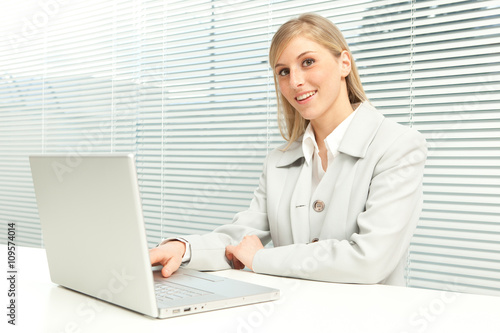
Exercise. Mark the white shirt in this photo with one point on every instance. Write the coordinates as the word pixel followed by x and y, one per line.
pixel 311 150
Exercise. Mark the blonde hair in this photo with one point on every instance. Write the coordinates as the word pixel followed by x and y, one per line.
pixel 322 31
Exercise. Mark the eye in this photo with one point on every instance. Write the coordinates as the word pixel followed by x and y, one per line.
pixel 283 72
pixel 308 62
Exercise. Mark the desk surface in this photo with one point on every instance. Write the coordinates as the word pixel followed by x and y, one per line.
pixel 304 306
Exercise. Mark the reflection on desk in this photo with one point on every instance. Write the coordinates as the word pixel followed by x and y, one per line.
pixel 304 306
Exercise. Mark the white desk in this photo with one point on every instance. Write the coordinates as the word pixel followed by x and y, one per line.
pixel 305 306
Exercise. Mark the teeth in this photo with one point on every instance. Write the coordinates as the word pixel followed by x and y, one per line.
pixel 301 97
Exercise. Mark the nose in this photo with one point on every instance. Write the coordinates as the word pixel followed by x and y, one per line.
pixel 296 78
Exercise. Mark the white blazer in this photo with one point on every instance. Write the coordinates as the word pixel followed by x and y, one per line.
pixel 372 199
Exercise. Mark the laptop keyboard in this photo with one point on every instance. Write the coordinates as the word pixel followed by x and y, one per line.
pixel 167 291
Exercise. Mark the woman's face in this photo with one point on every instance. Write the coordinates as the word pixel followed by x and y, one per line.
pixel 312 79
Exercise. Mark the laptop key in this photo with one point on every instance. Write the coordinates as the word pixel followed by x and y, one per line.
pixel 171 291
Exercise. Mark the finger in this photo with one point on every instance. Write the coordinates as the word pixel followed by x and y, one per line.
pixel 231 257
pixel 172 265
pixel 155 256
pixel 238 264
pixel 229 252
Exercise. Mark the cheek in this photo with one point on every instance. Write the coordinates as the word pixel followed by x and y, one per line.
pixel 285 91
pixel 328 80
pixel 322 78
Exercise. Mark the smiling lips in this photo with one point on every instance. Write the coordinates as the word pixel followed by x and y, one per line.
pixel 305 96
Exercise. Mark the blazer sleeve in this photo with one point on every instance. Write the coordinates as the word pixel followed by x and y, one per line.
pixel 385 227
pixel 208 250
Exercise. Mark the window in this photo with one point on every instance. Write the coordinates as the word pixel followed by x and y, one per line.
pixel 186 86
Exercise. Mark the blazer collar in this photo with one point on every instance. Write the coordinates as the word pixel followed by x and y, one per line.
pixel 361 131
pixel 294 154
pixel 355 142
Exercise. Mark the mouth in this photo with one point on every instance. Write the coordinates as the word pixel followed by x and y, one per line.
pixel 306 96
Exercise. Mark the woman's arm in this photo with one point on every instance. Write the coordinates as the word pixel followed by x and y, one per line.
pixel 208 252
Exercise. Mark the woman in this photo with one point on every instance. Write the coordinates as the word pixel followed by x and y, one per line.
pixel 342 198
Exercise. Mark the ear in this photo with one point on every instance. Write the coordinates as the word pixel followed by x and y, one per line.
pixel 345 62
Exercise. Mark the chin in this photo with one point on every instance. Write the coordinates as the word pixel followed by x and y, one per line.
pixel 308 115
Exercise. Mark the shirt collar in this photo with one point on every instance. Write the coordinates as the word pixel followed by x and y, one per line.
pixel 332 141
pixel 309 145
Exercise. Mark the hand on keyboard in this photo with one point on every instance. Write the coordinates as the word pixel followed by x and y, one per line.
pixel 169 255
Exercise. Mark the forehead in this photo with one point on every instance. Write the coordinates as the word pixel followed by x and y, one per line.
pixel 297 46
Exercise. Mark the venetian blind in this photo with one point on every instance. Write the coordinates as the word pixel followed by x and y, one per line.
pixel 65 69
pixel 206 71
pixel 186 86
pixel 455 93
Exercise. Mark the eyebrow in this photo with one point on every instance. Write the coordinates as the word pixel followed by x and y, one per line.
pixel 298 57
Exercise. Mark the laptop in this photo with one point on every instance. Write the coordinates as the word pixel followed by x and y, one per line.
pixel 95 239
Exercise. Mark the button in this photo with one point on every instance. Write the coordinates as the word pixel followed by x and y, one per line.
pixel 318 206
pixel 314 240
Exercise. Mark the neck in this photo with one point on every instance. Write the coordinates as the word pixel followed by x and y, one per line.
pixel 324 126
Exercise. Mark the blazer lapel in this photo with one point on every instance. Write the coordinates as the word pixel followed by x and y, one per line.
pixel 299 203
pixel 299 206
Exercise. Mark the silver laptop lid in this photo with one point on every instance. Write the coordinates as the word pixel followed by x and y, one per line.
pixel 90 208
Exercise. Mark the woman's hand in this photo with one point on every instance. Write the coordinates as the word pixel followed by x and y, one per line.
pixel 242 254
pixel 169 255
